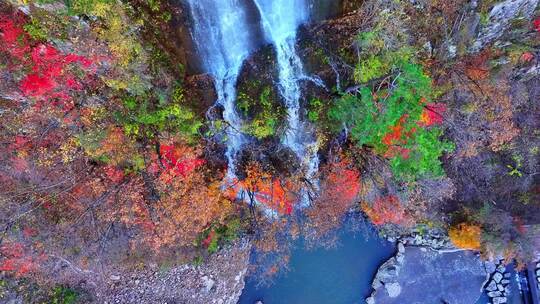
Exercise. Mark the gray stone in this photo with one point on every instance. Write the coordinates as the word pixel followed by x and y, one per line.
pixel 259 302
pixel 494 294
pixel 492 286
pixel 393 289
pixel 425 277
pixel 208 284
pixel 401 248
pixel 490 266
pixel 499 300
pixel 500 287
pixel 500 19
pixel 400 258
pixel 507 275
pixel 505 281
pixel 501 268
pixel 538 272
pixel 370 300
pixel 497 277
pixel 114 277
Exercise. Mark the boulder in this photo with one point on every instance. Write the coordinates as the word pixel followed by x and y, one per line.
pixel 393 289
pixel 492 286
pixel 490 266
pixel 497 277
pixel 401 247
pixel 500 300
pixel 494 294
pixel 208 284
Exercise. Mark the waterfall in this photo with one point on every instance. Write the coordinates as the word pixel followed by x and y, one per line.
pixel 221 31
pixel 280 21
pixel 224 37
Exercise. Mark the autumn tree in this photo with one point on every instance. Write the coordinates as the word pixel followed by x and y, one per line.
pixel 387 210
pixel 339 188
pixel 466 236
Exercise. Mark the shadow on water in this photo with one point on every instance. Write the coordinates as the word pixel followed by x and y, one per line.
pixel 340 275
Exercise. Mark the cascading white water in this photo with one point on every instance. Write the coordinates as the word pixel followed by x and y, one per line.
pixel 280 20
pixel 223 39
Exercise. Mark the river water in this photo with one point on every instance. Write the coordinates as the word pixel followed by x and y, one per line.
pixel 341 275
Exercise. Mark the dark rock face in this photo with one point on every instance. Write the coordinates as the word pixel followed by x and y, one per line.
pixel 200 92
pixel 328 50
pixel 273 156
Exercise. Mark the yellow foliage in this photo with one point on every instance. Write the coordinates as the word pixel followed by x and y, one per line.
pixel 466 236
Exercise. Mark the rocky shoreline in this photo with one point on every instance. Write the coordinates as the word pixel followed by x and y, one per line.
pixel 422 274
pixel 220 280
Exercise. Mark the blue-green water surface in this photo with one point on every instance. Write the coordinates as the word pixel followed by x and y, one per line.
pixel 341 275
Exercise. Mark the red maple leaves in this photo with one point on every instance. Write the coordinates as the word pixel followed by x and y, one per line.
pixel 398 136
pixel 16 259
pixel 52 78
pixel 174 159
pixel 536 24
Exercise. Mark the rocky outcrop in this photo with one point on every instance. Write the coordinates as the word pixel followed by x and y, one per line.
pixel 220 280
pixel 423 275
pixel 500 19
pixel 200 92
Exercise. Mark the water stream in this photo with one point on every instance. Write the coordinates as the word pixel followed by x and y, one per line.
pixel 223 37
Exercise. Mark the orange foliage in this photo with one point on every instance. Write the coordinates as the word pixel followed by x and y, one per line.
pixel 277 194
pixel 397 137
pixel 387 210
pixel 477 67
pixel 466 236
pixel 340 186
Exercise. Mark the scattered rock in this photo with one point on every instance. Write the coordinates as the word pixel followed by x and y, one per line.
pixel 505 282
pixel 500 287
pixel 370 300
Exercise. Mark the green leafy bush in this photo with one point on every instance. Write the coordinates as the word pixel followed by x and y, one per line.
pixel 64 295
pixel 266 121
pixel 145 118
pixel 389 121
